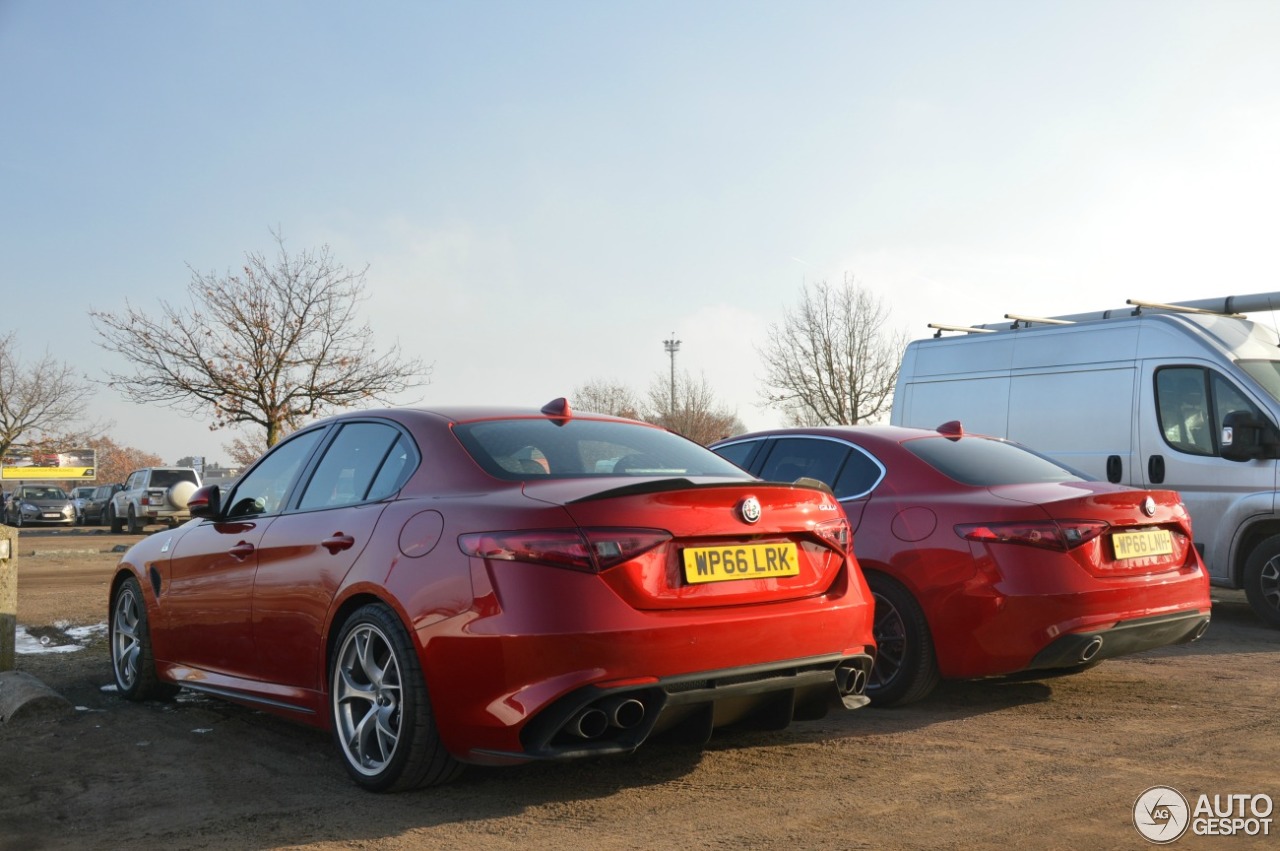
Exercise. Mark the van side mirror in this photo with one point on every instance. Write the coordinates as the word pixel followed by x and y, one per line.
pixel 1244 437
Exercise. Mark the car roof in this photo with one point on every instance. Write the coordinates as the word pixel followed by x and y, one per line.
pixel 856 433
pixel 472 413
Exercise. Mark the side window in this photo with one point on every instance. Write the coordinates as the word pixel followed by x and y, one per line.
pixel 263 489
pixel 366 461
pixel 798 457
pixel 1228 399
pixel 859 477
pixel 739 453
pixel 1182 404
pixel 1190 418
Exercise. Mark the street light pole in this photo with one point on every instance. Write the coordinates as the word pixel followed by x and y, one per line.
pixel 672 346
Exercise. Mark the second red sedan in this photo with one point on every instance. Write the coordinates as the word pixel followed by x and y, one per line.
pixel 988 559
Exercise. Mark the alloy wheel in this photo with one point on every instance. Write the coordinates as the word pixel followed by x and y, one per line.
pixel 367 698
pixel 126 643
pixel 891 643
pixel 1269 580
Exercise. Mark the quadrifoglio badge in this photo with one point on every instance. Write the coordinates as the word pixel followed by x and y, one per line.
pixel 1162 814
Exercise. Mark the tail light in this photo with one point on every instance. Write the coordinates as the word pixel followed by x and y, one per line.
pixel 591 550
pixel 837 533
pixel 1062 535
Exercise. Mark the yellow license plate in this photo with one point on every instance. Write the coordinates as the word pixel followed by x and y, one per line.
pixel 1152 542
pixel 749 561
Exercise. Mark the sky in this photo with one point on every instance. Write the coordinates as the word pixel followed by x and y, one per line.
pixel 544 192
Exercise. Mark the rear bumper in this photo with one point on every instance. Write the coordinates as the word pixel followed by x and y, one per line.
pixel 1126 637
pixel 547 644
pixel 983 629
pixel 592 721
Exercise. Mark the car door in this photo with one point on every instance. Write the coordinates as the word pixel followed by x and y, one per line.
pixel 308 551
pixel 208 601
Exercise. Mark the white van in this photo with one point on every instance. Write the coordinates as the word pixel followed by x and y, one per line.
pixel 1183 396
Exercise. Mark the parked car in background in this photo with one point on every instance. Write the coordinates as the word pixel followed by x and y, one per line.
pixel 39 504
pixel 1191 397
pixel 78 495
pixel 987 559
pixel 153 495
pixel 95 505
pixel 466 585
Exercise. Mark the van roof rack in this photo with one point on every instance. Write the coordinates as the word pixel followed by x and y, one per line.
pixel 965 328
pixel 1233 307
pixel 1029 320
pixel 1178 308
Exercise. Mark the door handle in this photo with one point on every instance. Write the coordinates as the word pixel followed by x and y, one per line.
pixel 1155 469
pixel 241 551
pixel 338 541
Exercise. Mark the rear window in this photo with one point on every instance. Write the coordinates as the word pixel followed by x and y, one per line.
pixel 169 478
pixel 984 462
pixel 537 448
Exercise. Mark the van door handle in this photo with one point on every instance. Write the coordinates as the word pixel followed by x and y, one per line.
pixel 1155 469
pixel 1115 469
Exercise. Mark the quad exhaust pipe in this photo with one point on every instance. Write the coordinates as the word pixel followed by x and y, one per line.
pixel 851 680
pixel 592 722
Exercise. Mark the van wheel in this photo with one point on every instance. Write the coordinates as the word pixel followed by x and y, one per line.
pixel 906 668
pixel 1262 580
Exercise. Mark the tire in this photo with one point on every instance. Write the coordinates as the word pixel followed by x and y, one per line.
pixel 135 528
pixel 906 668
pixel 382 719
pixel 1262 580
pixel 129 633
pixel 19 522
pixel 179 494
pixel 117 525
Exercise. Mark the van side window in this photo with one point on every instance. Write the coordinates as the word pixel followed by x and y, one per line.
pixel 1228 399
pixel 1190 419
pixel 1183 405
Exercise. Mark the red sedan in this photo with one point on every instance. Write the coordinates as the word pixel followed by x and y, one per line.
pixel 496 586
pixel 988 559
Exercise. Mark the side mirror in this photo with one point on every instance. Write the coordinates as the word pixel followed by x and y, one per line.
pixel 1243 437
pixel 205 502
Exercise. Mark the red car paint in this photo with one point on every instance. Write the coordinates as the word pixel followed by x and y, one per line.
pixel 536 599
pixel 1011 577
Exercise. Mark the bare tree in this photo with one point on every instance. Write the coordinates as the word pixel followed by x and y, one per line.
pixel 698 415
pixel 40 401
pixel 602 396
pixel 833 361
pixel 271 346
pixel 243 451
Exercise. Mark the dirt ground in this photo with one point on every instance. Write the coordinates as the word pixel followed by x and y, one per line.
pixel 1052 764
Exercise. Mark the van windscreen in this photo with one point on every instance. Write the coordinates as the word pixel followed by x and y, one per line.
pixel 1266 373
